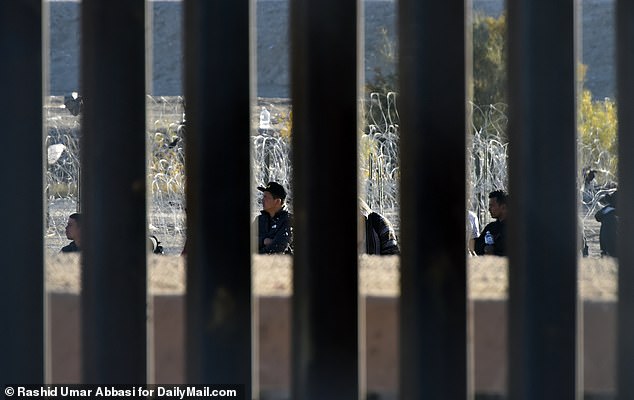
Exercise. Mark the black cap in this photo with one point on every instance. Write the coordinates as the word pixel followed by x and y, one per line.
pixel 275 189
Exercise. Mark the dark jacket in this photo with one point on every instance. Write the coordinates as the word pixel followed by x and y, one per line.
pixel 279 228
pixel 380 237
pixel 608 234
pixel 70 248
pixel 498 231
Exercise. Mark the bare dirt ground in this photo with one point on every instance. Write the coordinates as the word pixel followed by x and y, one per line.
pixel 378 276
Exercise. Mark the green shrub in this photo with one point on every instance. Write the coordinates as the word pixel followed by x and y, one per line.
pixel 489 58
pixel 598 142
pixel 597 127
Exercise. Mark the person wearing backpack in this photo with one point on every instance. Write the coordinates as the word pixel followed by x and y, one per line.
pixel 608 217
pixel 379 237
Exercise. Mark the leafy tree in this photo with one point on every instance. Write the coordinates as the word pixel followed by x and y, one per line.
pixel 597 125
pixel 489 55
pixel 383 82
pixel 598 142
pixel 489 60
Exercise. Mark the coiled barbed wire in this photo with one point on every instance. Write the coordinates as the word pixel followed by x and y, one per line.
pixel 487 156
pixel 379 164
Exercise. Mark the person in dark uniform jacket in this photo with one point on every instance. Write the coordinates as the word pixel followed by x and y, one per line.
pixel 275 231
pixel 379 237
pixel 609 220
pixel 73 232
pixel 496 229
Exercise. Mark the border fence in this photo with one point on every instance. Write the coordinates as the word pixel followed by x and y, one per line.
pixel 434 333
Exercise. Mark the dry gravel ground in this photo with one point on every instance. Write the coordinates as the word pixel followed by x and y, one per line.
pixel 487 276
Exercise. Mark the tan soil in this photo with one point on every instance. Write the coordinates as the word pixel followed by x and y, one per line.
pixel 487 276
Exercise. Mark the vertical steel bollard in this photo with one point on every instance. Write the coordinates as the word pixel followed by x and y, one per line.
pixel 625 80
pixel 325 347
pixel 22 267
pixel 543 203
pixel 433 321
pixel 217 97
pixel 114 238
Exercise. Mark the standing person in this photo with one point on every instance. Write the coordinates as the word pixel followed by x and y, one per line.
pixel 275 232
pixel 496 230
pixel 583 242
pixel 609 220
pixel 473 231
pixel 589 185
pixel 73 232
pixel 378 237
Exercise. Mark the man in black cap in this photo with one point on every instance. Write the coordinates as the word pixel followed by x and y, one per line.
pixel 275 233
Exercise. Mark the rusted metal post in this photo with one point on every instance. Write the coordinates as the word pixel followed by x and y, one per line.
pixel 325 277
pixel 625 100
pixel 217 93
pixel 543 204
pixel 22 267
pixel 433 321
pixel 114 239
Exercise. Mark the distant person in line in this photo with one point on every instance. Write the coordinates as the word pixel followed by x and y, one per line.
pixel 589 185
pixel 473 231
pixel 275 232
pixel 184 251
pixel 378 237
pixel 495 232
pixel 608 217
pixel 583 241
pixel 73 232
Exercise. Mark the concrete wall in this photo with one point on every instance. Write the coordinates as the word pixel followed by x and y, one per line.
pixel 273 44
pixel 381 335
